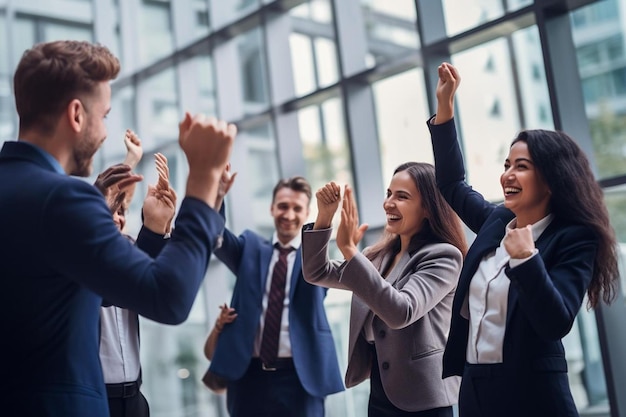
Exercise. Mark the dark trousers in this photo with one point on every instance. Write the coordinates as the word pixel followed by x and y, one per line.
pixel 380 406
pixel 493 390
pixel 278 393
pixel 132 405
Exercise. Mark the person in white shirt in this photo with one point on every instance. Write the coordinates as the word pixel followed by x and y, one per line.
pixel 119 327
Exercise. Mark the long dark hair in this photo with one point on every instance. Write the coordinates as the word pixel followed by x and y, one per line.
pixel 442 225
pixel 576 198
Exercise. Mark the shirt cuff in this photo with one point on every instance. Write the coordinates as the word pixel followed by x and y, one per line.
pixel 517 262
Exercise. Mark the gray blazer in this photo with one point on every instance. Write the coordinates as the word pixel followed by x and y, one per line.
pixel 411 310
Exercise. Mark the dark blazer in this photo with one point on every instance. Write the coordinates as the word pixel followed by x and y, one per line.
pixel 411 309
pixel 545 294
pixel 313 349
pixel 61 254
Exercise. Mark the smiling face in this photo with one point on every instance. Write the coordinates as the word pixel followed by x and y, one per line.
pixel 290 209
pixel 95 109
pixel 526 194
pixel 403 206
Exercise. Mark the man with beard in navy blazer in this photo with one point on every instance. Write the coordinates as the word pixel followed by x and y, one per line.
pixel 63 254
pixel 306 370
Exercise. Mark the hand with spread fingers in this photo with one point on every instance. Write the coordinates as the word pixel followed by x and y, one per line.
pixel 115 178
pixel 159 205
pixel 163 171
pixel 349 233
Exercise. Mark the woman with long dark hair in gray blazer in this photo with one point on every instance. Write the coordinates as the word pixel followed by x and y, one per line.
pixel 402 288
pixel 525 275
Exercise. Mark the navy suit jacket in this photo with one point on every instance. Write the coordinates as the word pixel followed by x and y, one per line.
pixel 248 257
pixel 545 294
pixel 61 254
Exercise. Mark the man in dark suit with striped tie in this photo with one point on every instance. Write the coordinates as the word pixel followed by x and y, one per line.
pixel 278 356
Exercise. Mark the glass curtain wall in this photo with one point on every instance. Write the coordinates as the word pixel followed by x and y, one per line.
pixel 341 90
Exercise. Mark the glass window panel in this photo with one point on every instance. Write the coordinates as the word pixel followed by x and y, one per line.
pixel 489 115
pixel 173 364
pixel 161 107
pixel 594 15
pixel 532 79
pixel 602 70
pixel 155 31
pixel 303 63
pixel 462 15
pixel 512 5
pixel 391 28
pixel 313 47
pixel 615 199
pixel 488 103
pixel 8 128
pixel 316 10
pixel 401 113
pixel 4 48
pixel 59 31
pixel 253 71
pixel 117 47
pixel 205 85
pixel 325 145
pixel 23 37
pixel 199 18
pixel 224 12
pixel 262 164
pixel 7 120
pixel 326 53
pixel 584 363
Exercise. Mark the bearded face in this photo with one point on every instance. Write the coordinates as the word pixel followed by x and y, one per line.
pixel 95 108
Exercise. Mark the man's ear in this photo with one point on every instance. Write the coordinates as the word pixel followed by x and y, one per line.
pixel 76 115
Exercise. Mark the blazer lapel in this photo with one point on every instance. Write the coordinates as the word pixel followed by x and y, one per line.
pixel 399 270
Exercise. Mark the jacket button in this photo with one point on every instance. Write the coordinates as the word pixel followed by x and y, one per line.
pixel 385 365
pixel 381 334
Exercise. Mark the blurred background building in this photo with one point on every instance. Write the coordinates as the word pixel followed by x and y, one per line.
pixel 341 90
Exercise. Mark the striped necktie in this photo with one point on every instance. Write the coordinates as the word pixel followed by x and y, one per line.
pixel 275 304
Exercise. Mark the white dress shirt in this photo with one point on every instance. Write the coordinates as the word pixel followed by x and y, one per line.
pixel 119 345
pixel 487 301
pixel 284 344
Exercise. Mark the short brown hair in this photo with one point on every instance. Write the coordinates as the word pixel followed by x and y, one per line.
pixel 297 183
pixel 51 74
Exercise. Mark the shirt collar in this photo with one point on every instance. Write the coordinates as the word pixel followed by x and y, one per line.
pixel 294 243
pixel 51 160
pixel 537 228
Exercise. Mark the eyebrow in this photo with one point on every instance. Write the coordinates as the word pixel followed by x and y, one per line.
pixel 520 160
pixel 400 191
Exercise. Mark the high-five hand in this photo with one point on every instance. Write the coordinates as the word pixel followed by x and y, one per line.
pixel 349 233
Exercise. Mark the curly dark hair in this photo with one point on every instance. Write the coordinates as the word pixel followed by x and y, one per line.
pixel 576 198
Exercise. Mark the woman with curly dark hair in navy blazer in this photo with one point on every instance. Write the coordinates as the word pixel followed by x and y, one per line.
pixel 527 272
